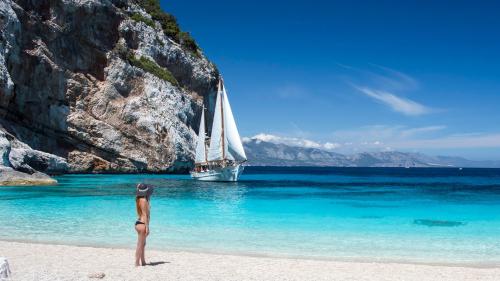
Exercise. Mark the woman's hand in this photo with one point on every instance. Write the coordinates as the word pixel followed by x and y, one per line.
pixel 147 230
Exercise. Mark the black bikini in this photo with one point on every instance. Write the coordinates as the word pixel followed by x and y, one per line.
pixel 138 222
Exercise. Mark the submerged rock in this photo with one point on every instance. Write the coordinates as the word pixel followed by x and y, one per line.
pixel 441 223
pixel 84 81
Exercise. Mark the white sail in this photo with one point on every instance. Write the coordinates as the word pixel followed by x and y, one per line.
pixel 234 147
pixel 215 149
pixel 201 152
pixel 225 144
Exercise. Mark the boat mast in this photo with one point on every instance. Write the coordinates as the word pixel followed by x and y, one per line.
pixel 204 136
pixel 221 83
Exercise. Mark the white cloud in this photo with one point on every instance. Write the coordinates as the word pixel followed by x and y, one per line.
pixel 367 133
pixel 394 79
pixel 381 77
pixel 291 141
pixel 420 130
pixel 399 104
pixel 400 137
pixel 452 141
pixel 385 85
pixel 331 145
pixel 385 133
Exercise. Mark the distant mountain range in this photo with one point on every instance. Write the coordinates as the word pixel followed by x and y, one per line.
pixel 263 153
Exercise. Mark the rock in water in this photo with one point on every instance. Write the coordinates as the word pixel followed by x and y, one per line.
pixel 22 165
pixel 100 85
pixel 11 177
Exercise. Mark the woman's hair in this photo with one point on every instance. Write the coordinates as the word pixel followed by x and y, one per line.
pixel 138 206
pixel 139 190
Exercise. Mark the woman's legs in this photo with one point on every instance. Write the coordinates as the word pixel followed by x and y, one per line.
pixel 141 243
pixel 143 259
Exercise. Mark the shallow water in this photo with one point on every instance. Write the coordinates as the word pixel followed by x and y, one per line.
pixel 419 215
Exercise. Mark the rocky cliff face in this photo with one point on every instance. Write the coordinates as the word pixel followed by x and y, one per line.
pixel 20 164
pixel 99 84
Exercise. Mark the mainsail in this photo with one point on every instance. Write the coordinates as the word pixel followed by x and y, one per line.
pixel 201 151
pixel 215 148
pixel 225 142
pixel 234 146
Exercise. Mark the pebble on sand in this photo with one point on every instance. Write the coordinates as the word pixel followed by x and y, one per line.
pixel 97 275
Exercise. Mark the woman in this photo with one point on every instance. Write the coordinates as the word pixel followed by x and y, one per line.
pixel 143 195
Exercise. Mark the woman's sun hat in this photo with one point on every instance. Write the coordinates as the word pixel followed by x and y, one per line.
pixel 144 190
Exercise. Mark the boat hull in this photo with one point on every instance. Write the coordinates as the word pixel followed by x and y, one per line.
pixel 229 173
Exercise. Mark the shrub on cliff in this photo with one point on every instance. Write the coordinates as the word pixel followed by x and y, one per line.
pixel 140 18
pixel 122 51
pixel 169 25
pixel 152 67
pixel 188 41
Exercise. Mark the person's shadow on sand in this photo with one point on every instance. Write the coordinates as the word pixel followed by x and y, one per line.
pixel 155 263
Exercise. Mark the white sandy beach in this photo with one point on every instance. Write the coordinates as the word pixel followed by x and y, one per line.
pixel 59 262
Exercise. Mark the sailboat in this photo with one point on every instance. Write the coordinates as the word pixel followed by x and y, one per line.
pixel 220 157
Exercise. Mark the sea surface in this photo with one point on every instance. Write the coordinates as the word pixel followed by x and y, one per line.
pixel 374 214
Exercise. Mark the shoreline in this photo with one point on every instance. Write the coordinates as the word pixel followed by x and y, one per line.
pixel 67 262
pixel 366 260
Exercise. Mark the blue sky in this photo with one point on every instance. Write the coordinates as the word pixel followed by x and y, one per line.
pixel 351 76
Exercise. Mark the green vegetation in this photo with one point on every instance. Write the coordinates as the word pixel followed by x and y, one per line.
pixel 188 41
pixel 140 18
pixel 169 25
pixel 122 50
pixel 152 67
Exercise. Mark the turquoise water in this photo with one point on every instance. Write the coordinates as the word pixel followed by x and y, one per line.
pixel 419 215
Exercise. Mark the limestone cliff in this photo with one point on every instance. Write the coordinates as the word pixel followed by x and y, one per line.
pixel 103 85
